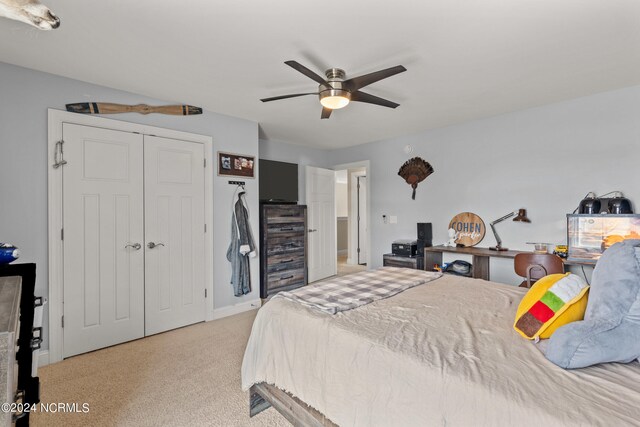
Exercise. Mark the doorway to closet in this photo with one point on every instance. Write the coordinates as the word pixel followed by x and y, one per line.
pixel 133 244
pixel 352 214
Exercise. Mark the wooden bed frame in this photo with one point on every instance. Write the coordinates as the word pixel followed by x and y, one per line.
pixel 298 413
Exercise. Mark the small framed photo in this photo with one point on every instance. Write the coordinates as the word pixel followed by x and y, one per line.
pixel 236 165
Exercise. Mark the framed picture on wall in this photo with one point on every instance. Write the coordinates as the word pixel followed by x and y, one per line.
pixel 230 164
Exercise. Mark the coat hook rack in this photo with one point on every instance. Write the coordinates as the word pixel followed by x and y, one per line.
pixel 237 183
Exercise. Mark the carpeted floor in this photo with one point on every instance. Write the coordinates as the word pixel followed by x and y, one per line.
pixel 185 377
pixel 344 268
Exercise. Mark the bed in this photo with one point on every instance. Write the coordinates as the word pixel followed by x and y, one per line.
pixel 443 353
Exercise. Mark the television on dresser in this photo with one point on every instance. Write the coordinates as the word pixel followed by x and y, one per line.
pixel 278 182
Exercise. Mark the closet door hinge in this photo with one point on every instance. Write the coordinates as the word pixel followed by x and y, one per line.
pixel 205 228
pixel 205 163
pixel 62 320
pixel 205 293
pixel 62 234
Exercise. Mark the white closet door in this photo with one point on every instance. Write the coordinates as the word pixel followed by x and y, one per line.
pixel 174 232
pixel 103 226
pixel 321 223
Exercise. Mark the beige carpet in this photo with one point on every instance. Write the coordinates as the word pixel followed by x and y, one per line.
pixel 344 268
pixel 186 377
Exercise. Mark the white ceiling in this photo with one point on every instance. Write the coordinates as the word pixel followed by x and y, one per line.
pixel 466 59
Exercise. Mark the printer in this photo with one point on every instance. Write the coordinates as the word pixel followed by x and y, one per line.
pixel 404 247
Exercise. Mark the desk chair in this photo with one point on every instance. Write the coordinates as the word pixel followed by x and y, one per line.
pixel 535 266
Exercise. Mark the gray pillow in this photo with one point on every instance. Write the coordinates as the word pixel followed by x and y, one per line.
pixel 610 331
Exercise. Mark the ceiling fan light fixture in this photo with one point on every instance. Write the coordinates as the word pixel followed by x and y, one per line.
pixel 335 99
pixel 334 92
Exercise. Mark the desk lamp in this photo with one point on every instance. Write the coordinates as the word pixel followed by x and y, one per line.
pixel 521 216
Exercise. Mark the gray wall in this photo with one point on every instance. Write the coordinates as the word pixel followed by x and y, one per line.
pixel 25 96
pixel 543 159
pixel 291 153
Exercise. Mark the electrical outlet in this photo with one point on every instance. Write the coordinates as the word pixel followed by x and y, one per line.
pixel 393 219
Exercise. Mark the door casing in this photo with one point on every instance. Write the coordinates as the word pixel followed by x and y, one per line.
pixel 362 219
pixel 56 118
pixel 353 258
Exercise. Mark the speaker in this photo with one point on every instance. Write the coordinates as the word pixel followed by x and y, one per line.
pixel 424 232
pixel 425 238
pixel 421 244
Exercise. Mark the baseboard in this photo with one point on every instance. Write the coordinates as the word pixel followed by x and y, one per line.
pixel 219 313
pixel 43 358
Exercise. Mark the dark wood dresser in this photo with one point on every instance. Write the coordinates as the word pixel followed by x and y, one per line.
pixel 29 337
pixel 9 327
pixel 283 248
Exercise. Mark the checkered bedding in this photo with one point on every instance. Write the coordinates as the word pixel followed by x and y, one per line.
pixel 354 290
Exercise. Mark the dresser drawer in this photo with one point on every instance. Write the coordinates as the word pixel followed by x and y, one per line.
pixel 287 261
pixel 286 230
pixel 285 245
pixel 285 214
pixel 285 278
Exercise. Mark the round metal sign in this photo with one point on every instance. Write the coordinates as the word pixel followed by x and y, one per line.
pixel 469 228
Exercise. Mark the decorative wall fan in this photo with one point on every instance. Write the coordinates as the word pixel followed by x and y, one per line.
pixel 415 171
pixel 335 92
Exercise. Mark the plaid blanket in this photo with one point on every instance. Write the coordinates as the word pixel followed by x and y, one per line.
pixel 354 290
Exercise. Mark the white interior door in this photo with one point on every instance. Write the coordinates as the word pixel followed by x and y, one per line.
pixel 174 232
pixel 321 224
pixel 362 220
pixel 103 235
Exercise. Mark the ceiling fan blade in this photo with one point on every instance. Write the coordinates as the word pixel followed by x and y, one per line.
pixel 326 113
pixel 372 99
pixel 275 98
pixel 307 72
pixel 365 80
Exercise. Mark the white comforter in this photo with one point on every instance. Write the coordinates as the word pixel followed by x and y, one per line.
pixel 444 353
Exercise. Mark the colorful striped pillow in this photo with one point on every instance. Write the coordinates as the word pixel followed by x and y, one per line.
pixel 552 301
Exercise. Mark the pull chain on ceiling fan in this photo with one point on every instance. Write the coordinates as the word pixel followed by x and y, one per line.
pixel 335 92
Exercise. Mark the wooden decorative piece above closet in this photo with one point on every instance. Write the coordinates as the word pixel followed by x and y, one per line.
pixel 109 108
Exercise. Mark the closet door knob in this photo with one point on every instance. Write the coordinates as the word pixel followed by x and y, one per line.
pixel 135 246
pixel 152 245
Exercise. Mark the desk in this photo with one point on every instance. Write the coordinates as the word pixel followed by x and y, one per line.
pixel 480 261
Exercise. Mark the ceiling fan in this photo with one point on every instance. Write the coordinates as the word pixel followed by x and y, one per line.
pixel 335 92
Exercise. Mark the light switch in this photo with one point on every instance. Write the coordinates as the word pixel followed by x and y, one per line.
pixel 393 219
